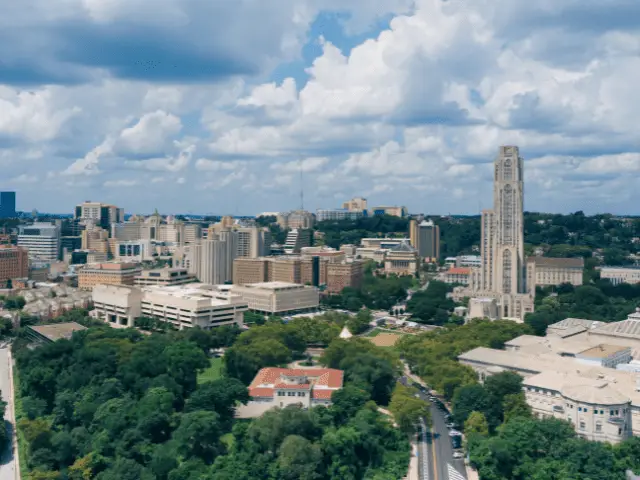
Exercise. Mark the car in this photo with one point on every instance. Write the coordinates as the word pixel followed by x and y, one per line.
pixel 458 455
pixel 454 433
pixel 450 425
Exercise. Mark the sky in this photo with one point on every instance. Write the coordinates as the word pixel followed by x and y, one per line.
pixel 216 106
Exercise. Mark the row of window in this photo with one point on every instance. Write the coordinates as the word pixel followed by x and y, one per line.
pixel 292 394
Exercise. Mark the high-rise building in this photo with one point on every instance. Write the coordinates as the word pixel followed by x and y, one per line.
pixel 42 240
pixel 356 204
pixel 213 258
pixel 296 240
pixel 296 219
pixel 99 214
pixel 14 263
pixel 425 238
pixel 7 204
pixel 95 239
pixel 502 274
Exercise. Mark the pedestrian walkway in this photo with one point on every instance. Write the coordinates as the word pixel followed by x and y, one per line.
pixel 454 474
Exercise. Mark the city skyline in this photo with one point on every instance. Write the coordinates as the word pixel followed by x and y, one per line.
pixel 400 101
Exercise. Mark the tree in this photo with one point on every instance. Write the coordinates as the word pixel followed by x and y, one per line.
pixel 515 406
pixel 199 436
pixel 220 396
pixel 407 409
pixel 360 322
pixel 476 424
pixel 468 399
pixel 372 373
pixel 298 459
pixel 347 401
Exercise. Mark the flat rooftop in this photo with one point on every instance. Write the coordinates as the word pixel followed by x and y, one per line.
pixel 275 285
pixel 57 331
pixel 603 351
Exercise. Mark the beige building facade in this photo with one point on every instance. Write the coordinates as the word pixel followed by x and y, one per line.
pixel 402 260
pixel 14 263
pixel 278 297
pixel 117 305
pixel 618 275
pixel 546 271
pixel 107 274
pixel 164 277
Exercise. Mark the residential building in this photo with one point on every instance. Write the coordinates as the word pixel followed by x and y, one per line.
pixel 164 277
pixel 393 211
pixel 14 263
pixel 184 306
pixel 212 259
pixel 618 275
pixel 42 240
pixel 546 271
pixel 117 304
pixel 281 387
pixel 459 275
pixel 356 204
pixel 298 219
pixel 7 204
pixel 425 238
pixel 337 214
pixel 107 274
pixel 502 274
pixel 402 259
pixel 296 240
pixel 279 297
pixel 98 214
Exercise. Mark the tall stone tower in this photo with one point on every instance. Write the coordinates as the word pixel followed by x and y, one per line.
pixel 508 207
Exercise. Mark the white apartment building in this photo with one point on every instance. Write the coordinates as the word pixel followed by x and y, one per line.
pixel 337 214
pixel 184 306
pixel 42 240
pixel 278 297
pixel 618 275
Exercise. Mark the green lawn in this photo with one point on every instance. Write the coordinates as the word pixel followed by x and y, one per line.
pixel 213 372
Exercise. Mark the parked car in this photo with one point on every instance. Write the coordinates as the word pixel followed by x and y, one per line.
pixel 450 425
pixel 458 455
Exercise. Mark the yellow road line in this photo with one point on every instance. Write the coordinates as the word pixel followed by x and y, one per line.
pixel 433 452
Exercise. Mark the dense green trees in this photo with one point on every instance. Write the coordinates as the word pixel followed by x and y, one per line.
pixel 340 232
pixel 407 409
pixel 4 438
pixel 114 403
pixel 431 305
pixel 599 301
pixel 433 355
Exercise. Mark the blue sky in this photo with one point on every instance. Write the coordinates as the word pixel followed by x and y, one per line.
pixel 206 107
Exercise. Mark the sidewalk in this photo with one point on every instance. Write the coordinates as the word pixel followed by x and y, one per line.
pixel 414 468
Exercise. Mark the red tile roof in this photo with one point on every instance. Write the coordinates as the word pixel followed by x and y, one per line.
pixel 459 271
pixel 323 394
pixel 301 386
pixel 261 392
pixel 329 377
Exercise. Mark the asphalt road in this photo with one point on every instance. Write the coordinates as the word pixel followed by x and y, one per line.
pixel 435 450
pixel 7 461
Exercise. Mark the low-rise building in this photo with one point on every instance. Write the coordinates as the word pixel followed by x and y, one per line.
pixel 337 214
pixel 308 387
pixel 546 271
pixel 165 277
pixel 459 275
pixel 402 259
pixel 14 263
pixel 117 305
pixel 618 275
pixel 279 297
pixel 107 274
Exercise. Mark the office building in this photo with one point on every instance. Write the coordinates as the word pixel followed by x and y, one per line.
pixel 279 298
pixel 213 258
pixel 14 263
pixel 107 274
pixel 618 275
pixel 134 251
pixel 544 272
pixel 84 257
pixel 337 214
pixel 98 214
pixel 96 239
pixel 252 242
pixel 402 259
pixel 298 219
pixel 164 277
pixel 356 204
pixel 392 211
pixel 502 274
pixel 8 205
pixel 42 240
pixel 251 270
pixel 183 306
pixel 425 238
pixel 70 244
pixel 296 240
pixel 347 273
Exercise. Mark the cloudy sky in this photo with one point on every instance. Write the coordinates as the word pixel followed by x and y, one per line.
pixel 214 106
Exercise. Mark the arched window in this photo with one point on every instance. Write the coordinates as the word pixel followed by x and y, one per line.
pixel 507 170
pixel 506 271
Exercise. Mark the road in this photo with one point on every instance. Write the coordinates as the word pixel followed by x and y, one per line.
pixel 7 461
pixel 435 450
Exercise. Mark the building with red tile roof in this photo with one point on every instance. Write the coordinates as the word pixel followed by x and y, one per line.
pixel 308 387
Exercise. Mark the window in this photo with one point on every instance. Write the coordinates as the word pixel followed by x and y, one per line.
pixel 583 425
pixel 579 409
pixel 598 427
pixel 301 394
pixel 611 412
pixel 601 412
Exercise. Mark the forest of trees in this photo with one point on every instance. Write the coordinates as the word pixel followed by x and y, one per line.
pixel 433 355
pixel 117 404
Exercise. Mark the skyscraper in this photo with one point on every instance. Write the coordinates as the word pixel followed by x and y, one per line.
pixel 425 238
pixel 7 204
pixel 502 274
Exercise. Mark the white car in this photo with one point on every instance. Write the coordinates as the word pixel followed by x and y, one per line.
pixel 458 455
